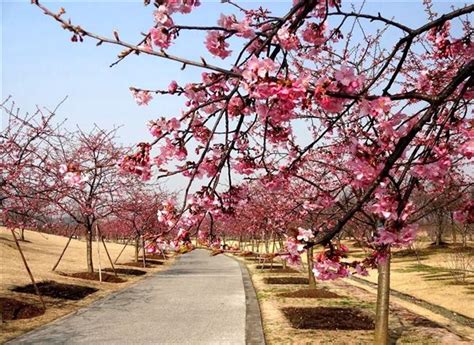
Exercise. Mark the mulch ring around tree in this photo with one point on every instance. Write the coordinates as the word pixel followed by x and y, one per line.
pixel 13 309
pixel 328 318
pixel 57 290
pixel 286 280
pixel 137 264
pixel 126 271
pixel 152 261
pixel 252 258
pixel 106 277
pixel 309 293
pixel 420 321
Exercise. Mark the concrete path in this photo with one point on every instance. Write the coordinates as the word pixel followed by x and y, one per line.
pixel 198 300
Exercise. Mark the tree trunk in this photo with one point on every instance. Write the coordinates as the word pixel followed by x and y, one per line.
pixel 439 238
pixel 89 239
pixel 383 301
pixel 137 247
pixel 22 234
pixel 453 229
pixel 144 252
pixel 98 252
pixel 464 236
pixel 311 279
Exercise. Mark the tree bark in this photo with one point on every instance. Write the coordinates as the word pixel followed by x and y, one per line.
pixel 381 336
pixel 89 239
pixel 144 252
pixel 453 229
pixel 98 252
pixel 439 238
pixel 311 279
pixel 137 247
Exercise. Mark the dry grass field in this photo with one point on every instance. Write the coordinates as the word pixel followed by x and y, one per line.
pixel 443 296
pixel 430 276
pixel 409 323
pixel 42 251
pixel 426 273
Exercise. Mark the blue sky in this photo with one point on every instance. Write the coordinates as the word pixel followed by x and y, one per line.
pixel 40 65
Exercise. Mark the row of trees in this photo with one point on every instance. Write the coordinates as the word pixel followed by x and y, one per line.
pixel 69 183
pixel 332 131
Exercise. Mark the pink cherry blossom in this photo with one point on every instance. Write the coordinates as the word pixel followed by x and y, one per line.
pixel 256 69
pixel 160 37
pixel 305 235
pixel 142 97
pixel 403 238
pixel 216 44
pixel 376 107
pixel 314 33
pixel 173 86
pixel 287 40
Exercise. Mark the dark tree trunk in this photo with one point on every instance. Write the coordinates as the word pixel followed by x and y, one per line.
pixel 137 247
pixel 309 256
pixel 89 239
pixel 453 229
pixel 144 252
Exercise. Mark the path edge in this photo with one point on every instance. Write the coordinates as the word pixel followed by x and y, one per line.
pixel 254 334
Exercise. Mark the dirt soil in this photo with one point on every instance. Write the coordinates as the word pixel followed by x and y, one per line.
pixel 127 271
pixel 328 318
pixel 138 264
pixel 286 280
pixel 106 277
pixel 13 309
pixel 309 293
pixel 58 290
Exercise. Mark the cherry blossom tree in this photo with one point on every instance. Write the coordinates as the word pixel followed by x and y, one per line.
pixel 24 149
pixel 137 208
pixel 87 182
pixel 301 98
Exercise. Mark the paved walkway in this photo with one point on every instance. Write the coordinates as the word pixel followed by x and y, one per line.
pixel 198 300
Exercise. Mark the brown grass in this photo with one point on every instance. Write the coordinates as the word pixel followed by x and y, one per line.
pixel 42 251
pixel 407 327
pixel 429 279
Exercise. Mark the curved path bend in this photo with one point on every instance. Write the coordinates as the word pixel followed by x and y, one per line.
pixel 198 300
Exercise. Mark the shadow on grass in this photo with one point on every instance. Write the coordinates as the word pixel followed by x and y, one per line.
pixel 431 273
